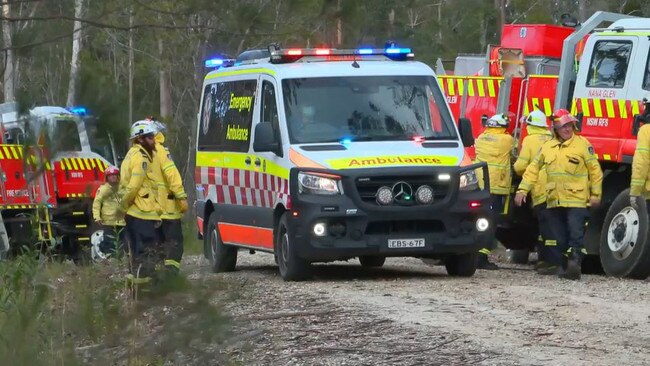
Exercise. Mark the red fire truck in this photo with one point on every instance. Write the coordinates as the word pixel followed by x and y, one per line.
pixel 48 177
pixel 602 75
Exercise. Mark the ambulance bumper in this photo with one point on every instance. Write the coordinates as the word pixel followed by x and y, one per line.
pixel 326 228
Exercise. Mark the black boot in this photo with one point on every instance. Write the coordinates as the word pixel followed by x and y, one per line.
pixel 574 266
pixel 550 270
pixel 484 263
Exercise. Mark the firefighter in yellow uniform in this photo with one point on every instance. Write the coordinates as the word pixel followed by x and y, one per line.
pixel 494 147
pixel 574 182
pixel 139 202
pixel 640 183
pixel 108 214
pixel 172 199
pixel 537 134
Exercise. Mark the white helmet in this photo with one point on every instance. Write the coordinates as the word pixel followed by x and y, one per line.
pixel 141 128
pixel 498 120
pixel 537 118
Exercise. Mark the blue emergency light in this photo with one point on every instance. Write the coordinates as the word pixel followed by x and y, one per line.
pixel 81 111
pixel 218 62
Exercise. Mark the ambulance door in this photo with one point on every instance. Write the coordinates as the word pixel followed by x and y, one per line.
pixel 271 174
pixel 601 90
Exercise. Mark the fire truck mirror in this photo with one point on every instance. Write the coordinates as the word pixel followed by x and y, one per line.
pixel 636 123
pixel 465 129
pixel 579 123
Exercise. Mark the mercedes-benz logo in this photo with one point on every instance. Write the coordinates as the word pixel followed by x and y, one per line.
pixel 402 192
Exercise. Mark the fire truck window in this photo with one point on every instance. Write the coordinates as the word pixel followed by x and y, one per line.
pixel 646 77
pixel 66 136
pixel 226 116
pixel 269 106
pixel 609 64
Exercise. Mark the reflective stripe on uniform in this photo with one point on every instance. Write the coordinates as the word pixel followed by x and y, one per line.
pixel 550 243
pixel 485 251
pixel 173 263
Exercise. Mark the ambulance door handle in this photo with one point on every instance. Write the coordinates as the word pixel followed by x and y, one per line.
pixel 247 160
pixel 258 162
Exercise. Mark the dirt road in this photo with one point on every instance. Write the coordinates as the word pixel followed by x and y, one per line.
pixel 408 313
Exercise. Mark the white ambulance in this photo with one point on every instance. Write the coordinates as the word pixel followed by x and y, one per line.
pixel 318 155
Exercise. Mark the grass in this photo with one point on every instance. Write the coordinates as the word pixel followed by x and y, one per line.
pixel 57 313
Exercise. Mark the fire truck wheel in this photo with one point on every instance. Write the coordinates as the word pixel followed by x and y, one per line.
pixel 624 244
pixel 223 258
pixel 461 265
pixel 372 261
pixel 292 267
pixel 518 256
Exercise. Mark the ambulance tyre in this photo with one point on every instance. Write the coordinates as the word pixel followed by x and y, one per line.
pixel 624 242
pixel 292 267
pixel 372 261
pixel 461 265
pixel 222 257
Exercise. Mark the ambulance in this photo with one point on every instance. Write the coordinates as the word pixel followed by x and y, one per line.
pixel 319 155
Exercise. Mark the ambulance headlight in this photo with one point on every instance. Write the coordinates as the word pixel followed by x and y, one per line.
pixel 468 181
pixel 316 183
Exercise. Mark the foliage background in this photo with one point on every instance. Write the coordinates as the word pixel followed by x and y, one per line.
pixel 171 38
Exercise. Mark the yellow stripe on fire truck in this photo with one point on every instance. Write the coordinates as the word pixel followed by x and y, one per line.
pixel 82 164
pixel 477 86
pixel 76 195
pixel 543 104
pixel 606 108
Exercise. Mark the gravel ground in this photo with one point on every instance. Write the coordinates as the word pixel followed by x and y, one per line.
pixel 409 313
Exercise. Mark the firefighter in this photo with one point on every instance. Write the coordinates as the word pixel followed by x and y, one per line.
pixel 494 147
pixel 640 183
pixel 537 134
pixel 139 202
pixel 172 199
pixel 107 210
pixel 574 182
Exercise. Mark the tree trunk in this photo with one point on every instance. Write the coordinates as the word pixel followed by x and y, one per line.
pixel 165 84
pixel 130 68
pixel 73 84
pixel 583 9
pixel 339 25
pixel 9 74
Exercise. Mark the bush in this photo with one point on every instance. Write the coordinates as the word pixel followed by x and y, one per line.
pixel 54 313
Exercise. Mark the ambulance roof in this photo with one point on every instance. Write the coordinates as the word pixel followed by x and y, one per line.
pixel 326 69
pixel 632 24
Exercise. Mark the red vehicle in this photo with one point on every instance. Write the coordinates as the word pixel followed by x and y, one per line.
pixel 49 176
pixel 602 75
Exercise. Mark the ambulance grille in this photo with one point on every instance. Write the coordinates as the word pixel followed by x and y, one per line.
pixel 368 186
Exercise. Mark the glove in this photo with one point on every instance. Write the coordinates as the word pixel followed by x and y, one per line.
pixel 98 222
pixel 633 202
pixel 594 202
pixel 183 206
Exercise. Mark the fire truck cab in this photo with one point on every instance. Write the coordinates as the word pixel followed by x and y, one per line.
pixel 601 72
pixel 49 176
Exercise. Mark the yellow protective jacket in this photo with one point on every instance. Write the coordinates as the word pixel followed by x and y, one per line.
pixel 136 186
pixel 530 147
pixel 573 172
pixel 640 184
pixel 169 183
pixel 493 146
pixel 106 206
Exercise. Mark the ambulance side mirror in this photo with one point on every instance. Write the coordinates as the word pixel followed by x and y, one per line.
pixel 266 140
pixel 465 129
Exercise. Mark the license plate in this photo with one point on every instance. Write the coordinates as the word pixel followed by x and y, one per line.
pixel 405 243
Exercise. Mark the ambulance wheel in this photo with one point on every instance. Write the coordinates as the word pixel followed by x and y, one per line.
pixel 461 265
pixel 292 267
pixel 518 256
pixel 624 244
pixel 222 257
pixel 372 261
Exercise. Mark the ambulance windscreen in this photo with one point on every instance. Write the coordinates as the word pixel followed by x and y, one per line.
pixel 366 108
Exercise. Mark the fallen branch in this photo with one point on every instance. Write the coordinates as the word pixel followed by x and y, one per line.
pixel 288 314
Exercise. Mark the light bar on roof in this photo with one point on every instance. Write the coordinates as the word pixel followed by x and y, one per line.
pixel 218 62
pixel 294 54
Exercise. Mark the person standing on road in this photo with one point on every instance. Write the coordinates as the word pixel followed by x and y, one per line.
pixel 538 135
pixel 574 183
pixel 107 211
pixel 640 182
pixel 172 199
pixel 494 147
pixel 139 202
